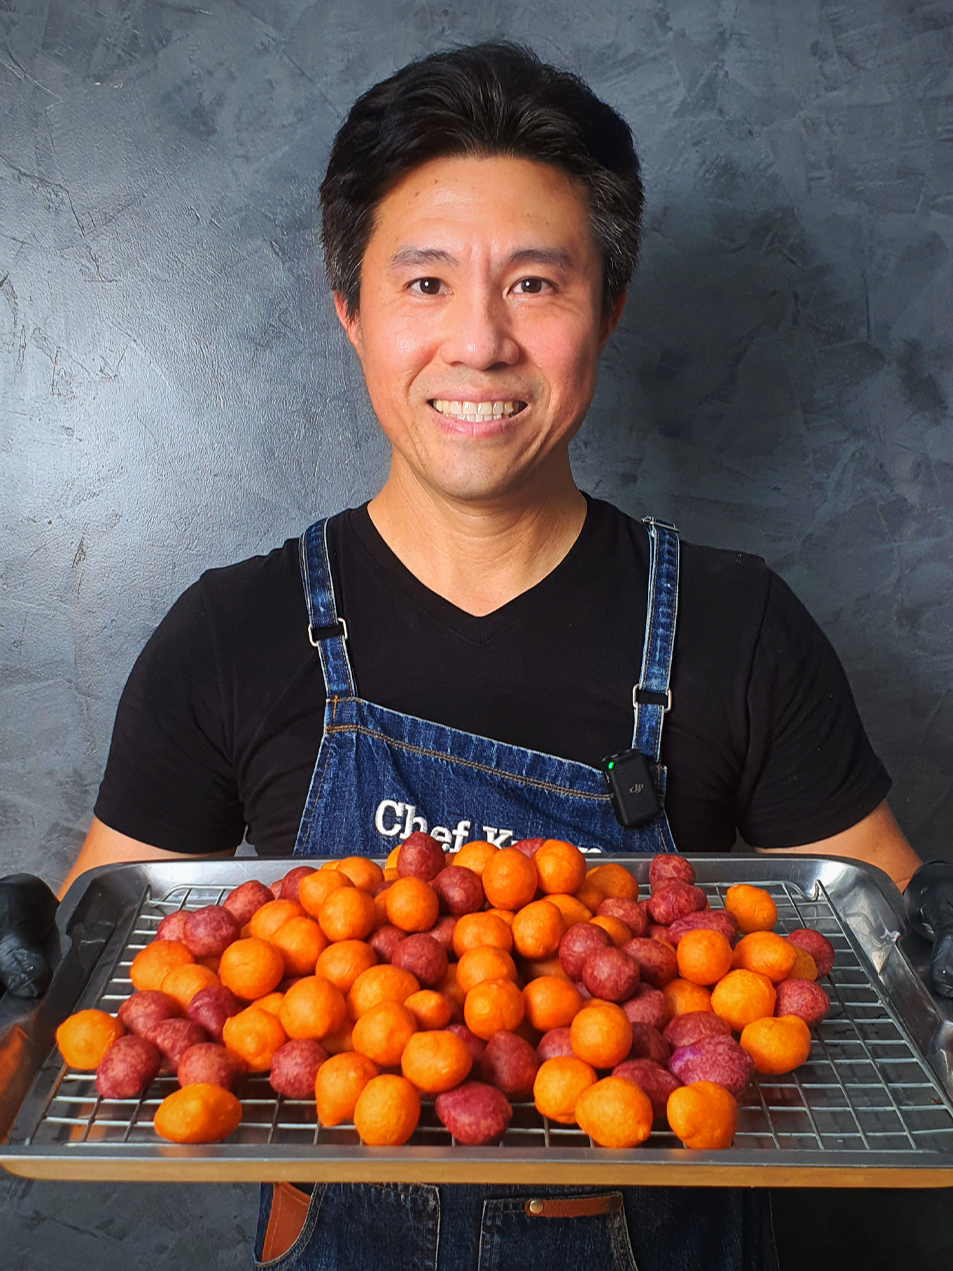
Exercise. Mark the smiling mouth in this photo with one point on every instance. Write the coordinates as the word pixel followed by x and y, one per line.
pixel 475 412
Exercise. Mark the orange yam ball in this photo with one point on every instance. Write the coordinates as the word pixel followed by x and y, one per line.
pixel 486 962
pixel 551 1001
pixel 506 914
pixel 270 1002
pixel 615 1112
pixel 558 1085
pixel 453 991
pixel 251 968
pixel 509 879
pixel 265 921
pixel 382 1032
pixel 198 1113
pixel 380 907
pixel 805 968
pixel 343 961
pixel 411 904
pixel 777 1044
pixel 537 929
pixel 314 889
pixel 435 1061
pixel 615 928
pixel 590 895
pixel 560 867
pixel 253 1035
pixel 492 1005
pixel 473 930
pixel 347 914
pixel 703 1115
pixel 533 968
pixel 601 1034
pixel 741 997
pixel 300 941
pixel 183 982
pixel 340 1040
pixel 312 1008
pixel 681 996
pixel 84 1038
pixel 363 872
pixel 430 1009
pixel 150 964
pixel 378 984
pixel 475 855
pixel 704 956
pixel 571 908
pixel 765 952
pixel 387 1111
pixel 752 907
pixel 614 880
pixel 340 1080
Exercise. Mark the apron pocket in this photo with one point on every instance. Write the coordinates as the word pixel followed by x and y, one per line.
pixel 356 1226
pixel 540 1234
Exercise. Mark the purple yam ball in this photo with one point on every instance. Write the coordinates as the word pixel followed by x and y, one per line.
pixel 657 1082
pixel 577 942
pixel 609 974
pixel 475 1113
pixel 128 1068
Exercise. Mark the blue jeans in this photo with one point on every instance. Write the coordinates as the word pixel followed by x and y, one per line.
pixel 411 1227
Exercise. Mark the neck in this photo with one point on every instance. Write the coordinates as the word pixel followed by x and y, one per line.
pixel 477 555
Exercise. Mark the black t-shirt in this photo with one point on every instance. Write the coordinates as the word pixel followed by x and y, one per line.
pixel 219 724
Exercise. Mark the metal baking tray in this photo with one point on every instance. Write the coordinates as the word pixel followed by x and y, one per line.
pixel 872 1106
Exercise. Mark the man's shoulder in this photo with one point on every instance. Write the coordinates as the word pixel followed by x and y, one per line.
pixel 700 564
pixel 270 577
pixel 722 567
pixel 246 580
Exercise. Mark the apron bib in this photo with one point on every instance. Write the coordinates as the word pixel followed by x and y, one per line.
pixel 380 775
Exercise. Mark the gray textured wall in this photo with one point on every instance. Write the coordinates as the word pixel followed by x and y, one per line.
pixel 174 391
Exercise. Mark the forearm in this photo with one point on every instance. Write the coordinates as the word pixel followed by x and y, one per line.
pixel 105 846
pixel 877 839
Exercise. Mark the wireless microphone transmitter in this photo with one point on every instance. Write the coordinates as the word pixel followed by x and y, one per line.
pixel 634 798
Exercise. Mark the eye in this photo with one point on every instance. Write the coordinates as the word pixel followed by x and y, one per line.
pixel 531 286
pixel 427 286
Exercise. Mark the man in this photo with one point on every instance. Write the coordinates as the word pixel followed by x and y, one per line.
pixel 460 654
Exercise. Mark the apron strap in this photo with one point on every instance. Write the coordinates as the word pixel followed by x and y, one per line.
pixel 326 631
pixel 652 697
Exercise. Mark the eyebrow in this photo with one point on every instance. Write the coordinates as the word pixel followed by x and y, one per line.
pixel 551 257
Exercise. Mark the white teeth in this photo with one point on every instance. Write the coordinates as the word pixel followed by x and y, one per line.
pixel 474 411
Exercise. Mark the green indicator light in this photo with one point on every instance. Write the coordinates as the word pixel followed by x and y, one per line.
pixel 611 764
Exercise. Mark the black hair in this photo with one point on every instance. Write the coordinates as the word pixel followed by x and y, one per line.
pixel 486 99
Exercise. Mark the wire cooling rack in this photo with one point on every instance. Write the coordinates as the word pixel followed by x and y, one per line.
pixel 865 1099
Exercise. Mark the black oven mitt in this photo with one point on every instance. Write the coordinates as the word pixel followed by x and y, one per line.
pixel 27 914
pixel 928 900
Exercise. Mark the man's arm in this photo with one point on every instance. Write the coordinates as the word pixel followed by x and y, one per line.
pixel 877 839
pixel 104 846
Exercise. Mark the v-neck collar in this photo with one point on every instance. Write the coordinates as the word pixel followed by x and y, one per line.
pixel 478 629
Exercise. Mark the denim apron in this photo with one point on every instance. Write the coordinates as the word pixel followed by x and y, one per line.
pixel 379 775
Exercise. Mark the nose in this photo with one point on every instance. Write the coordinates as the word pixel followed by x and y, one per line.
pixel 478 332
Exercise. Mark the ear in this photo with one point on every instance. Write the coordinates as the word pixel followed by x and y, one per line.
pixel 611 321
pixel 351 325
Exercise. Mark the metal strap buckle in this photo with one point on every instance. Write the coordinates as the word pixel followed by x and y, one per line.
pixel 317 634
pixel 648 697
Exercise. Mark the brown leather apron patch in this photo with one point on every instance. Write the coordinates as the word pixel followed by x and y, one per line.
pixel 289 1209
pixel 579 1207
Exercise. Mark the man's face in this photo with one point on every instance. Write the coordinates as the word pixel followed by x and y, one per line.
pixel 480 324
